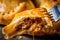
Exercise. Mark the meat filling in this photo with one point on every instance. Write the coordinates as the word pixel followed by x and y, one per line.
pixel 29 21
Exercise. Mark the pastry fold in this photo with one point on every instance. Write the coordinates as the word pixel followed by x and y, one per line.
pixel 6 18
pixel 33 22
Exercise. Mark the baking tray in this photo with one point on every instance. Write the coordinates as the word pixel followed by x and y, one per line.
pixel 29 37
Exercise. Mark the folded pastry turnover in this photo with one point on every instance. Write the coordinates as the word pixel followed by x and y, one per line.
pixel 33 22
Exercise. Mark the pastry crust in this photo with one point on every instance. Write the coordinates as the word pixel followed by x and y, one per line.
pixel 58 2
pixel 6 18
pixel 40 17
pixel 48 4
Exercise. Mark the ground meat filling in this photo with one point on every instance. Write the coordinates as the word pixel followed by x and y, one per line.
pixel 29 21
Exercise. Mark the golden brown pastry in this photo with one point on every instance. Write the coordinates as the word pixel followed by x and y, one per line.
pixel 11 4
pixel 33 22
pixel 58 2
pixel 48 4
pixel 6 18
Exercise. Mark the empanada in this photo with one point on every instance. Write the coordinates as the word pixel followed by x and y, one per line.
pixel 35 21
